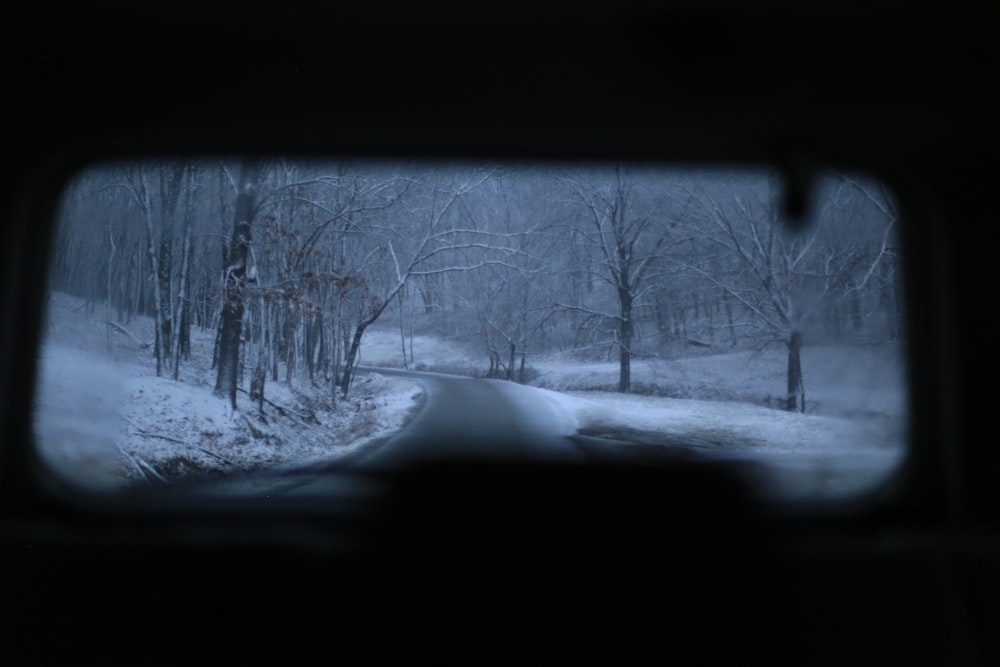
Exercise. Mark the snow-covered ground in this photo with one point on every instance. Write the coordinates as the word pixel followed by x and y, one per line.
pixel 723 406
pixel 382 346
pixel 103 419
pixel 792 455
pixel 839 380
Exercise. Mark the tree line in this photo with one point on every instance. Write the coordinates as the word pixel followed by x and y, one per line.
pixel 289 262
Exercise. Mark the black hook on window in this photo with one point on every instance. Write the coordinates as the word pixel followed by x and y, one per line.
pixel 792 192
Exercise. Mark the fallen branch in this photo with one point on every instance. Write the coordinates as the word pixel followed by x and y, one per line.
pixel 254 431
pixel 131 460
pixel 121 329
pixel 149 434
pixel 285 410
pixel 221 458
pixel 152 470
pixel 144 468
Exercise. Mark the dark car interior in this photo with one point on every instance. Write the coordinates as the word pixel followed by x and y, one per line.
pixel 524 562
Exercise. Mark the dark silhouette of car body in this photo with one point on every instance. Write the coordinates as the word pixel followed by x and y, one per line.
pixel 481 562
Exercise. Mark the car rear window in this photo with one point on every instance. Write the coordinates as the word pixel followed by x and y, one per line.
pixel 235 322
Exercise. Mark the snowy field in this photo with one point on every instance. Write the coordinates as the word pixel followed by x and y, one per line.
pixel 790 455
pixel 722 406
pixel 841 381
pixel 103 418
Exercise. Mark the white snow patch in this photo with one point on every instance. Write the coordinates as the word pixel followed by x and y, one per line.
pixel 792 455
pixel 383 347
pixel 104 420
pixel 840 380
pixel 744 425
pixel 548 412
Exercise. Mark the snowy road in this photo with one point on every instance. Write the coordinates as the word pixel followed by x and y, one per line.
pixel 470 419
pixel 467 419
pixel 473 419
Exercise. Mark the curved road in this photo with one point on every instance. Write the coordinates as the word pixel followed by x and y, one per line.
pixel 461 419
pixel 476 419
pixel 469 420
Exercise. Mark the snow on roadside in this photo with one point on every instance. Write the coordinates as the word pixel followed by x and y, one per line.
pixel 721 425
pixel 206 436
pixel 383 347
pixel 103 419
pixel 741 425
pixel 790 455
pixel 549 412
pixel 841 380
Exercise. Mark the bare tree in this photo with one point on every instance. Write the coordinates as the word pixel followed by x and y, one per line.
pixel 629 239
pixel 158 208
pixel 398 254
pixel 234 301
pixel 512 259
pixel 183 342
pixel 785 280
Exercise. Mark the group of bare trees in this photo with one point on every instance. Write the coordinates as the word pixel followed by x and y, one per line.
pixel 787 284
pixel 290 263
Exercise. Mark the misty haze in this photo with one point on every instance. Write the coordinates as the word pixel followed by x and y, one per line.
pixel 232 320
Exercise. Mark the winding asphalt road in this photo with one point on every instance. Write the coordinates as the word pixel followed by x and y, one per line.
pixel 469 419
pixel 461 420
pixel 476 420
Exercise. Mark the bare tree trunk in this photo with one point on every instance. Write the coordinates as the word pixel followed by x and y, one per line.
pixel 346 332
pixel 275 342
pixel 184 296
pixel 411 330
pixel 323 353
pixel 258 379
pixel 732 328
pixel 796 391
pixel 244 339
pixel 235 272
pixel 259 376
pixel 402 330
pixel 170 188
pixel 165 318
pixel 183 346
pixel 309 346
pixel 133 308
pixel 289 350
pixel 225 248
pixel 335 355
pixel 352 359
pixel 625 330
pixel 216 347
pixel 154 263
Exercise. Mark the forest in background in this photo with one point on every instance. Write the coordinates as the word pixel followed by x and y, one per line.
pixel 291 262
